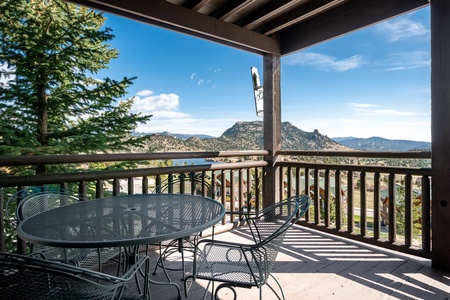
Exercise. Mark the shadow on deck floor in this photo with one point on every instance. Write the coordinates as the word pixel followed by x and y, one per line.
pixel 314 265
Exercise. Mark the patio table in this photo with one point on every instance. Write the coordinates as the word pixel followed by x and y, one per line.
pixel 122 221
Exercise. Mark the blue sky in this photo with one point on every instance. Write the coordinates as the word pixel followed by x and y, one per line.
pixel 373 82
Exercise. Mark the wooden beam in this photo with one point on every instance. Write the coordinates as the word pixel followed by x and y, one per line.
pixel 174 17
pixel 346 18
pixel 272 126
pixel 440 132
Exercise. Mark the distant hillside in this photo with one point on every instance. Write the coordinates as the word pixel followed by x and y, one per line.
pixel 381 144
pixel 246 136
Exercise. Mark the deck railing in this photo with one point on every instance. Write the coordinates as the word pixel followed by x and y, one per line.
pixel 355 201
pixel 349 200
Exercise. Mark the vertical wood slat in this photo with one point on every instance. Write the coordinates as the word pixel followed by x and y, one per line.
pixel 281 180
pixel 363 204
pixel 317 202
pixel 182 183
pixel 144 185
pixel 338 199
pixel 426 214
pixel 408 211
pixel 99 189
pixel 257 189
pixel 350 203
pixel 116 187
pixel 289 182
pixel 326 200
pixel 376 206
pixel 249 188
pixel 223 193
pixel 307 192
pixel 204 185
pixel 192 183
pixel 392 209
pixel 82 190
pixel 241 189
pixel 232 191
pixel 130 186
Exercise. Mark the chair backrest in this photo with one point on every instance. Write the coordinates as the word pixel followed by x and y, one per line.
pixel 191 183
pixel 277 217
pixel 269 228
pixel 35 199
pixel 43 201
pixel 23 277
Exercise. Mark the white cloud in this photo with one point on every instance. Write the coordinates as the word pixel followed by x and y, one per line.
pixel 365 109
pixel 408 61
pixel 324 62
pixel 401 28
pixel 144 93
pixel 147 103
pixel 193 75
pixel 200 82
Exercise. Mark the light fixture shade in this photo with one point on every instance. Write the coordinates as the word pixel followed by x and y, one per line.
pixel 257 92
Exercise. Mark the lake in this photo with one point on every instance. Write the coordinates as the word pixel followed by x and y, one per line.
pixel 192 161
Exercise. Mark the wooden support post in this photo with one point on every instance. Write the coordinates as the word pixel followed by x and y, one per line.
pixel 272 126
pixel 440 132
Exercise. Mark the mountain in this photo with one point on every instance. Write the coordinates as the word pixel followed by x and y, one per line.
pixel 382 144
pixel 246 136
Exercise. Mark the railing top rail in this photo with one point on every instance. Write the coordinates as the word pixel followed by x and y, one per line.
pixel 371 154
pixel 99 175
pixel 9 161
pixel 358 168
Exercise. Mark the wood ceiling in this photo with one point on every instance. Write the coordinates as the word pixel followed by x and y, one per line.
pixel 277 27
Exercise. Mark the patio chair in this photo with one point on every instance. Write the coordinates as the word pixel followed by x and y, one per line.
pixel 196 184
pixel 25 278
pixel 39 199
pixel 247 265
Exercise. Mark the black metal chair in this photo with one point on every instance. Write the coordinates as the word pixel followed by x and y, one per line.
pixel 248 265
pixel 35 200
pixel 194 184
pixel 24 277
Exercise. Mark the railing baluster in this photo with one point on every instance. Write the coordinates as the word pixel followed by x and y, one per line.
pixel 317 201
pixel 426 214
pixel 392 210
pixel 144 185
pixel 408 211
pixel 363 204
pixel 376 206
pixel 350 204
pixel 257 189
pixel 130 186
pixel 307 192
pixel 241 189
pixel 232 191
pixel 116 187
pixel 338 199
pixel 326 200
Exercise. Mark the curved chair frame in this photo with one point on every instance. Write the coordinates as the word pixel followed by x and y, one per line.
pixel 25 277
pixel 37 199
pixel 248 265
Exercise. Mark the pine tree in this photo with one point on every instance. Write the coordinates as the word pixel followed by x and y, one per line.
pixel 50 100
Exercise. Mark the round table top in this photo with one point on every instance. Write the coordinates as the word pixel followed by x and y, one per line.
pixel 122 221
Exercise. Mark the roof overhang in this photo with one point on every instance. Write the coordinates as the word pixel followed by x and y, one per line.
pixel 260 26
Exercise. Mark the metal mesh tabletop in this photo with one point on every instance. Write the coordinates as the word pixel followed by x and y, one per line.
pixel 122 221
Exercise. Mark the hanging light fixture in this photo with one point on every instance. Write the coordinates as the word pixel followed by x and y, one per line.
pixel 257 92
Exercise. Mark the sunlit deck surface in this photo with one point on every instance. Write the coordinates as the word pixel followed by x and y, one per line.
pixel 315 265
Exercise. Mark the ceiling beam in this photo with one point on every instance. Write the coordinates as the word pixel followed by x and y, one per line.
pixel 346 18
pixel 170 16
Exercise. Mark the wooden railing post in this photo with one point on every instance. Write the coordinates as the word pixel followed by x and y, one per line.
pixel 272 126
